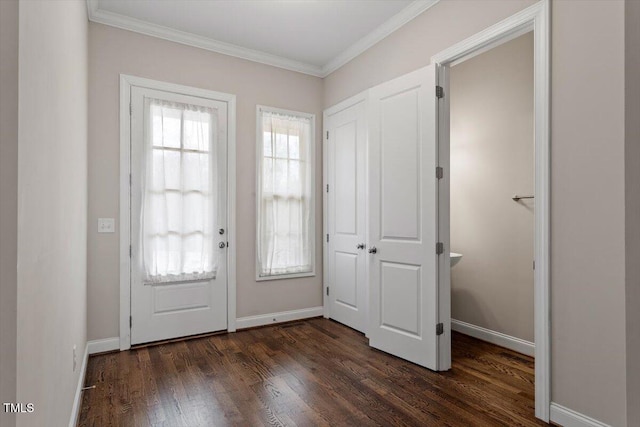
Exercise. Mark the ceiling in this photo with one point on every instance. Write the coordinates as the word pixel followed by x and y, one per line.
pixel 311 36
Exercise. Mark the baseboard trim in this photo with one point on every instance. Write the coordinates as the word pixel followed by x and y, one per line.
pixel 103 345
pixel 569 418
pixel 77 400
pixel 497 338
pixel 283 316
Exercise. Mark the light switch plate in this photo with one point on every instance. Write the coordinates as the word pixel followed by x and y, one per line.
pixel 106 225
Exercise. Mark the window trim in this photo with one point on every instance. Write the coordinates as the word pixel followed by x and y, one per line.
pixel 312 205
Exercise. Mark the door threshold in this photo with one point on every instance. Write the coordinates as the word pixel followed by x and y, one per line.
pixel 178 339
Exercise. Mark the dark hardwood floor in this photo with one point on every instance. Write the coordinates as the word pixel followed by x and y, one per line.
pixel 313 372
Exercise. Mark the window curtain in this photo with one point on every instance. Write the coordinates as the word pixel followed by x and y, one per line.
pixel 179 210
pixel 284 200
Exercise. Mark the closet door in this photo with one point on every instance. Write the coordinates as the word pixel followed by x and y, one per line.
pixel 403 217
pixel 346 209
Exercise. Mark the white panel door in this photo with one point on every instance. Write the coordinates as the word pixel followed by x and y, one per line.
pixel 190 302
pixel 403 217
pixel 347 145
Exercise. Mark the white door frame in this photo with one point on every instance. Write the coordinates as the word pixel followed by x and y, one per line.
pixel 535 18
pixel 343 105
pixel 126 82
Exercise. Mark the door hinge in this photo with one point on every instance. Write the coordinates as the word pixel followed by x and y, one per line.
pixel 534 264
pixel 439 172
pixel 130 251
pixel 130 180
pixel 327 134
pixel 439 92
pixel 439 248
pixel 327 291
pixel 130 109
pixel 327 238
pixel 439 329
pixel 327 188
pixel 130 321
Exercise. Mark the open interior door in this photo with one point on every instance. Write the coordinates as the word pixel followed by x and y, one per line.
pixel 403 259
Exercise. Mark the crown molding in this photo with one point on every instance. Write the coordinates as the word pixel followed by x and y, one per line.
pixel 190 39
pixel 391 25
pixel 414 9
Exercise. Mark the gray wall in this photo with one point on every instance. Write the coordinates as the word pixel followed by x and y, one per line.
pixel 588 201
pixel 52 206
pixel 9 201
pixel 587 210
pixel 632 189
pixel 491 99
pixel 113 51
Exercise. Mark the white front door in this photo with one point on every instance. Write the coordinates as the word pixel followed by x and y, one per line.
pixel 347 145
pixel 178 215
pixel 403 217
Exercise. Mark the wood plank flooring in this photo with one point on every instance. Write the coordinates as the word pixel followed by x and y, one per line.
pixel 308 373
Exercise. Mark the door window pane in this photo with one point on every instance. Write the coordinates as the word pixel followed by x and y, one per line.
pixel 179 195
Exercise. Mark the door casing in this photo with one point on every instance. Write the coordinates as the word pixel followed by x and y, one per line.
pixel 535 18
pixel 126 83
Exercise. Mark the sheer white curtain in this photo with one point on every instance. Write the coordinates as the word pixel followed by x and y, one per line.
pixel 284 196
pixel 179 210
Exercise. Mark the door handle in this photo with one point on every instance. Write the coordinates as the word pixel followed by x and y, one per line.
pixel 373 250
pixel 222 245
pixel 360 246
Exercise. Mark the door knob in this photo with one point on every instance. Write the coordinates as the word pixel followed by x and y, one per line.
pixel 373 250
pixel 222 245
pixel 360 246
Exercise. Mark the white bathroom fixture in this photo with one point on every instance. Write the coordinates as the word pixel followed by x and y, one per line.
pixel 455 258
